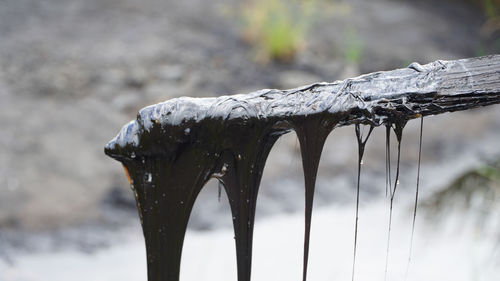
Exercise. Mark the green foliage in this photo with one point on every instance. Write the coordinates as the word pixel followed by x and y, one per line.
pixel 477 189
pixel 480 50
pixel 277 27
pixel 352 47
pixel 491 8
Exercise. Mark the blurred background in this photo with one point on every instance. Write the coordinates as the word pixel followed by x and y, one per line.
pixel 73 72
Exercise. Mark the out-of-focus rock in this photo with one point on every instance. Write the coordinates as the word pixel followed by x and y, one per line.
pixel 170 72
pixel 296 78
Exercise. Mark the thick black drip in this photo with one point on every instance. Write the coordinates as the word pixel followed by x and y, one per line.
pixel 398 130
pixel 166 190
pixel 312 134
pixel 167 182
pixel 361 151
pixel 416 196
pixel 244 165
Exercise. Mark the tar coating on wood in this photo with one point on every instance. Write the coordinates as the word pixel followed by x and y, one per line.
pixel 175 147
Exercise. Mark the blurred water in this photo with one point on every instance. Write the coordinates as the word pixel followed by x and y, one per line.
pixel 449 251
